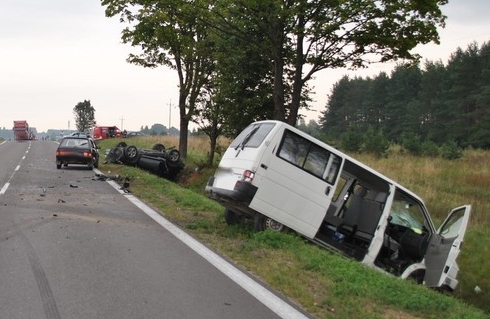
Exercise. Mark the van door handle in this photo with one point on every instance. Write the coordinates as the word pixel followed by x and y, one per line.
pixel 327 190
pixel 263 166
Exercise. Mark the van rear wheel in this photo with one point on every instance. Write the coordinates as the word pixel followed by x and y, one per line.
pixel 231 218
pixel 262 223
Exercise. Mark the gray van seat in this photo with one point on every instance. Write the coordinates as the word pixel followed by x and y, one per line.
pixel 354 208
pixel 369 217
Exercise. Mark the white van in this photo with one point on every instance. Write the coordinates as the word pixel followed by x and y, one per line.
pixel 283 178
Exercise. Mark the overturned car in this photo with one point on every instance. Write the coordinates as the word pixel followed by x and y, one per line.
pixel 163 162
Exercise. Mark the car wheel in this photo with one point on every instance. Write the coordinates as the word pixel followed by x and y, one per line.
pixel 131 154
pixel 58 166
pixel 174 156
pixel 158 147
pixel 262 223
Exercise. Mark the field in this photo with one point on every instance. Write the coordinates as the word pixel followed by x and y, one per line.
pixel 324 283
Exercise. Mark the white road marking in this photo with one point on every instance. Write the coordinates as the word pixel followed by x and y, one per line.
pixel 270 300
pixel 4 188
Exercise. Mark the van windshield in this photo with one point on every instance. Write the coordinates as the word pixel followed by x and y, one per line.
pixel 253 135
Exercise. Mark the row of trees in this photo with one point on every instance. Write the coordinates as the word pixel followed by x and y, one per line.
pixel 436 103
pixel 238 61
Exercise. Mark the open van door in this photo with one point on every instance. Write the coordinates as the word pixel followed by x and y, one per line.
pixel 444 247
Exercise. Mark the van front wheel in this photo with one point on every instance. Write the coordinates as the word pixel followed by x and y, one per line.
pixel 262 223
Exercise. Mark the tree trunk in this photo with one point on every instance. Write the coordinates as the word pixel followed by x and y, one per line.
pixel 276 32
pixel 213 138
pixel 183 137
pixel 184 122
pixel 298 74
pixel 279 111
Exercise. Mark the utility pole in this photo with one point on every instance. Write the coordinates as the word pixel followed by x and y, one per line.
pixel 122 121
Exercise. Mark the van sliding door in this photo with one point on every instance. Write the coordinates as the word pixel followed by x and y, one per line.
pixel 296 183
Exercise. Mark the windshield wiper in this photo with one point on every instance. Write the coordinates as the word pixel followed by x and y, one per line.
pixel 247 138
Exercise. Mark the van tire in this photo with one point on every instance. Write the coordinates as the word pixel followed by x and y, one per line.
pixel 262 223
pixel 418 276
pixel 231 218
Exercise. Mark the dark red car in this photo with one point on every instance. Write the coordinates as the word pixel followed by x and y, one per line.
pixel 77 150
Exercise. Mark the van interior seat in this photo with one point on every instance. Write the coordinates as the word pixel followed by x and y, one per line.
pixel 369 216
pixel 353 209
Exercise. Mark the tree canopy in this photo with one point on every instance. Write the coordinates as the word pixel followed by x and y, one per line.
pixel 84 116
pixel 255 57
pixel 302 37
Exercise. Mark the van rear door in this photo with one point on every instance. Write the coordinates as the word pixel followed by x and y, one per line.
pixel 444 247
pixel 296 189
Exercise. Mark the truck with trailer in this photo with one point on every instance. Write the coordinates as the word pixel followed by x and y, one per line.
pixel 22 131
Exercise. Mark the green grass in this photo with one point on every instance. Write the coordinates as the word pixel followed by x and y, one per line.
pixel 324 283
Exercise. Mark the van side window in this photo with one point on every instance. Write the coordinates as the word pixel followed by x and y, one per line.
pixel 309 156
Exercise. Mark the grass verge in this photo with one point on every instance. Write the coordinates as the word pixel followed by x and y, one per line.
pixel 324 283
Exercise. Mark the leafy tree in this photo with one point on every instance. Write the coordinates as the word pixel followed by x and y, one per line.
pixel 302 37
pixel 170 33
pixel 84 116
pixel 241 84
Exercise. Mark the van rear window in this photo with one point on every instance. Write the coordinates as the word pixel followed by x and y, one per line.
pixel 253 135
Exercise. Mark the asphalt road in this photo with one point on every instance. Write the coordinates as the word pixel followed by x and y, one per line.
pixel 73 246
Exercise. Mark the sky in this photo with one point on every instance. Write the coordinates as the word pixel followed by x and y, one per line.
pixel 57 53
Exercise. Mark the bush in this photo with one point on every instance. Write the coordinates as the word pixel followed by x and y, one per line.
pixel 411 142
pixel 351 141
pixel 451 151
pixel 375 142
pixel 430 149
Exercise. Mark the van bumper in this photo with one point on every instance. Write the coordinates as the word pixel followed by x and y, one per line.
pixel 243 192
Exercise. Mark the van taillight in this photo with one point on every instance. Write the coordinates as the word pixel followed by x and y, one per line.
pixel 248 176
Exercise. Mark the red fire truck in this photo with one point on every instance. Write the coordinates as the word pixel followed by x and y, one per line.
pixel 103 132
